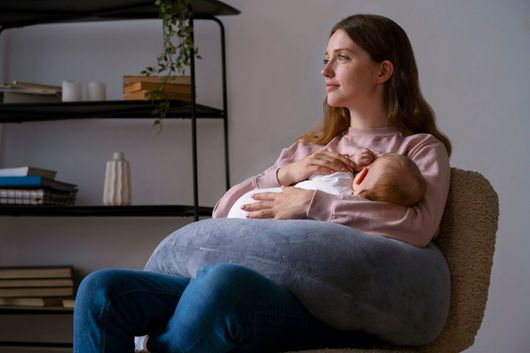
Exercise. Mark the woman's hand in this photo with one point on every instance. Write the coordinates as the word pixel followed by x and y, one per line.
pixel 363 158
pixel 324 162
pixel 291 203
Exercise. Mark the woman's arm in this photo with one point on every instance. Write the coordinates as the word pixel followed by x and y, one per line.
pixel 415 225
pixel 295 163
pixel 265 179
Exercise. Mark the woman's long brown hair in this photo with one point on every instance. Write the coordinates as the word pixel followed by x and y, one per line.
pixel 408 111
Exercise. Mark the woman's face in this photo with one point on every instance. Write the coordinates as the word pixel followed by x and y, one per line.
pixel 350 74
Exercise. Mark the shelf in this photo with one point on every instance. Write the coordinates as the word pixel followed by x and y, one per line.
pixel 15 310
pixel 104 211
pixel 22 13
pixel 20 112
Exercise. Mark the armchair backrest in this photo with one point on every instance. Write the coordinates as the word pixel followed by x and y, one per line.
pixel 467 239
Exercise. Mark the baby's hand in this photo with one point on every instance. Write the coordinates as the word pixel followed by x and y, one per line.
pixel 362 159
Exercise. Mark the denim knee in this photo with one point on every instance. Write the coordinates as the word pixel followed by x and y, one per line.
pixel 100 286
pixel 100 280
pixel 214 309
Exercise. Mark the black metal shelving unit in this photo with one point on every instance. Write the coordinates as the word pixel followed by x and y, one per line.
pixel 22 13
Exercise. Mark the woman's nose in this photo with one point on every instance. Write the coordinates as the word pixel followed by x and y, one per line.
pixel 327 71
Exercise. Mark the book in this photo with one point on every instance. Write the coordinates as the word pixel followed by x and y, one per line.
pixel 31 85
pixel 12 196
pixel 68 303
pixel 183 80
pixel 36 292
pixel 28 171
pixel 141 95
pixel 149 86
pixel 42 302
pixel 13 272
pixel 37 201
pixel 35 181
pixel 28 96
pixel 27 92
pixel 36 282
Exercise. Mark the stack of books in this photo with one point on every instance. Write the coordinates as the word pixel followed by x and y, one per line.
pixel 140 87
pixel 37 286
pixel 34 186
pixel 27 92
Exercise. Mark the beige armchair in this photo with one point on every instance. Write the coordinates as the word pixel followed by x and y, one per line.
pixel 467 239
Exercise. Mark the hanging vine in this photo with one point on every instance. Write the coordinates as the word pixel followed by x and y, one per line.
pixel 177 52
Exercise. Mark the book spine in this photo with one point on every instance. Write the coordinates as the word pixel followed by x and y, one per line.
pixel 35 182
pixel 36 272
pixel 36 292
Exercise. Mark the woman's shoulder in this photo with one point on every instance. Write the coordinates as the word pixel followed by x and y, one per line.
pixel 422 139
pixel 425 146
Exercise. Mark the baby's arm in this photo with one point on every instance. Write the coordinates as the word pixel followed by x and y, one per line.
pixel 362 159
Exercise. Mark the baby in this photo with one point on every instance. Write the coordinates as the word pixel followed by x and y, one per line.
pixel 390 178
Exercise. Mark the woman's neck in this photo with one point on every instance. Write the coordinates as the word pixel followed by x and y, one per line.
pixel 369 118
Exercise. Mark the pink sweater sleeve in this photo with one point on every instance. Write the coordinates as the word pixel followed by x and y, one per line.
pixel 414 225
pixel 265 179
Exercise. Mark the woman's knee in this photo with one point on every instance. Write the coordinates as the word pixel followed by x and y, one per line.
pixel 101 286
pixel 233 289
pixel 217 305
pixel 229 280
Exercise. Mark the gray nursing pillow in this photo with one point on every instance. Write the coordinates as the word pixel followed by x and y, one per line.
pixel 347 279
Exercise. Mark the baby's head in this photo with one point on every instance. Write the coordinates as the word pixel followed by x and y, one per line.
pixel 391 178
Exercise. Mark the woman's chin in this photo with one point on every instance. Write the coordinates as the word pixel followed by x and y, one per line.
pixel 334 103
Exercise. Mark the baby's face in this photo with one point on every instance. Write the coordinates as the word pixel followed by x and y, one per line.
pixel 367 178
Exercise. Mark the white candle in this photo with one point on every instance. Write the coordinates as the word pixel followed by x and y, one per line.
pixel 71 91
pixel 96 91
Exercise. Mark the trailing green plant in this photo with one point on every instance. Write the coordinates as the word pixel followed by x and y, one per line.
pixel 176 56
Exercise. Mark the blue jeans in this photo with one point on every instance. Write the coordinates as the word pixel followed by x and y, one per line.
pixel 226 308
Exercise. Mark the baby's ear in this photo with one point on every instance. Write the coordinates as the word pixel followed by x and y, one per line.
pixel 360 177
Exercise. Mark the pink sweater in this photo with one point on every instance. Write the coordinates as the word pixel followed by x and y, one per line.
pixel 415 225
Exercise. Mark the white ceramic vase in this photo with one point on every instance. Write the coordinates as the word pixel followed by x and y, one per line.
pixel 117 189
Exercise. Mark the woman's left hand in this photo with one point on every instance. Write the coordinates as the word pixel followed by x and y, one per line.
pixel 291 203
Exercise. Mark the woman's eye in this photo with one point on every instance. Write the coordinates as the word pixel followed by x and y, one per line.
pixel 342 57
pixel 325 61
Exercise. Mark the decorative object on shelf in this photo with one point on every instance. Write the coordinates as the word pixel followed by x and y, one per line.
pixel 177 20
pixel 117 189
pixel 71 91
pixel 96 91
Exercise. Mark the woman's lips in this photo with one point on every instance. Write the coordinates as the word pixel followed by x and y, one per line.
pixel 331 87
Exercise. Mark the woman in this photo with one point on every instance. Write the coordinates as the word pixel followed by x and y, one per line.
pixel 373 101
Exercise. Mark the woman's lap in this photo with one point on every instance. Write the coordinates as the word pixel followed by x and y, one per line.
pixel 277 270
pixel 225 308
pixel 347 279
